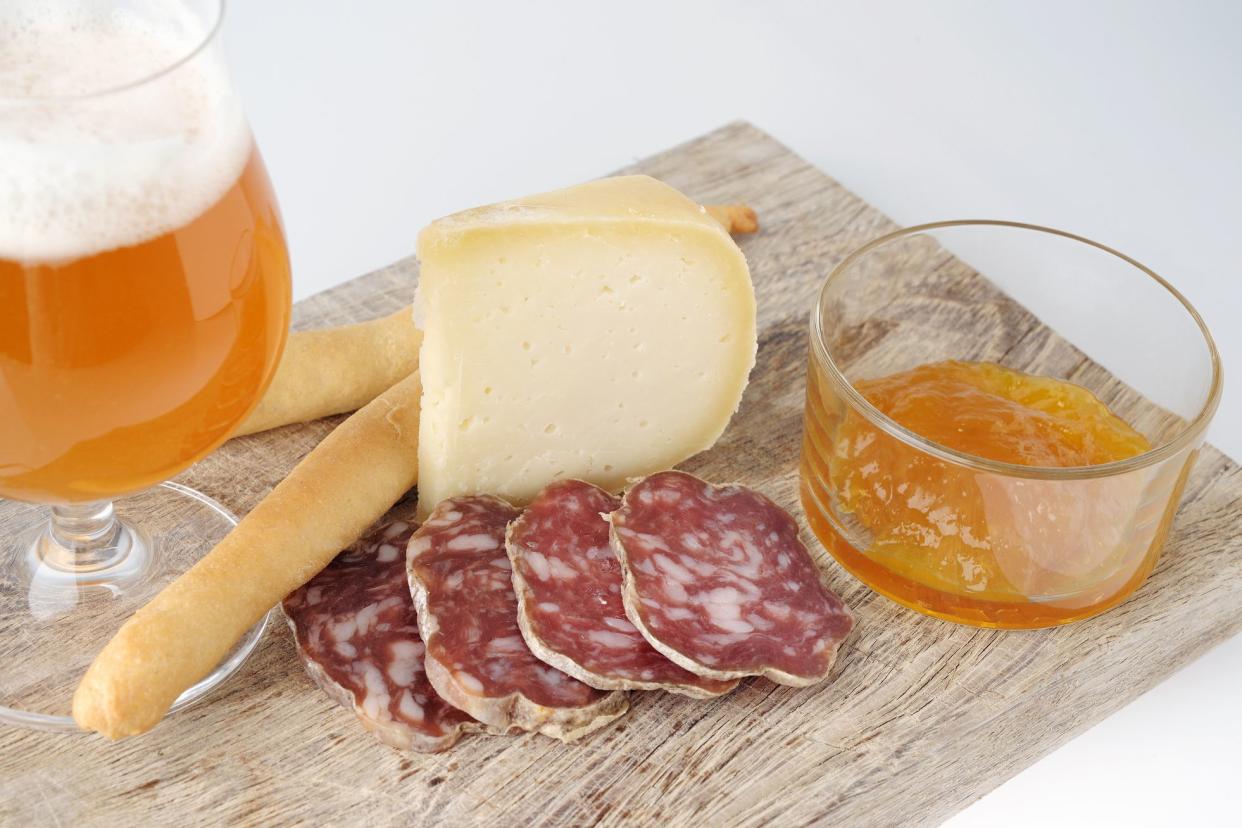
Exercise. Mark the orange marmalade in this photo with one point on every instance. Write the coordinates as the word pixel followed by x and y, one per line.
pixel 981 547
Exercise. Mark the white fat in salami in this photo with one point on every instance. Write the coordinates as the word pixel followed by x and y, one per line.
pixel 568 583
pixel 358 636
pixel 462 585
pixel 717 579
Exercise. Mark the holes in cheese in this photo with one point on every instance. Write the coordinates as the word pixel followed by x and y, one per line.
pixel 600 332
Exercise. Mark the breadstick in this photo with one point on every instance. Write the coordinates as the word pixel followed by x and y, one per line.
pixel 339 489
pixel 738 219
pixel 335 370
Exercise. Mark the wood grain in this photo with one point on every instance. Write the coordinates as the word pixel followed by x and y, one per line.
pixel 923 718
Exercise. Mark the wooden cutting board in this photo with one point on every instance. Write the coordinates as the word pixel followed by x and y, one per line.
pixel 923 716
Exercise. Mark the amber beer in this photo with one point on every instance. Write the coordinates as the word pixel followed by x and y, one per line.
pixel 144 302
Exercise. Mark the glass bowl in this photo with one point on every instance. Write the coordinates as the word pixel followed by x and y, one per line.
pixel 976 540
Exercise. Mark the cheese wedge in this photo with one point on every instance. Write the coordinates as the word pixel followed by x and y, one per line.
pixel 601 332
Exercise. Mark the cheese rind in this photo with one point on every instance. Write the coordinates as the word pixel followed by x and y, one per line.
pixel 600 332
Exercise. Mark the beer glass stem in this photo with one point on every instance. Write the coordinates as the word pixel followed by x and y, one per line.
pixel 84 538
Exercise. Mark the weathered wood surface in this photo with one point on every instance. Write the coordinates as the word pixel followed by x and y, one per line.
pixel 922 719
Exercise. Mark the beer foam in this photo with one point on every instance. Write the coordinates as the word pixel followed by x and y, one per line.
pixel 102 144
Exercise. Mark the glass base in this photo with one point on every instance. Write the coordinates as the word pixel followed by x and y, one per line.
pixel 58 608
pixel 947 603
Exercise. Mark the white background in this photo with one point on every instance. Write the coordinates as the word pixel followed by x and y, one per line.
pixel 1121 121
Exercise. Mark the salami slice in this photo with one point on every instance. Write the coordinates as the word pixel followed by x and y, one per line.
pixel 467 611
pixel 356 632
pixel 568 585
pixel 717 579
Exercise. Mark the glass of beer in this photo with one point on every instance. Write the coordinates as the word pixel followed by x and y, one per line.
pixel 144 302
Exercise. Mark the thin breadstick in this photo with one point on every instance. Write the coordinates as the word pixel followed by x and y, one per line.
pixel 335 370
pixel 340 488
pixel 738 219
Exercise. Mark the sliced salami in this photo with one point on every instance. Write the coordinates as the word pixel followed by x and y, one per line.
pixel 476 658
pixel 568 585
pixel 357 635
pixel 717 579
